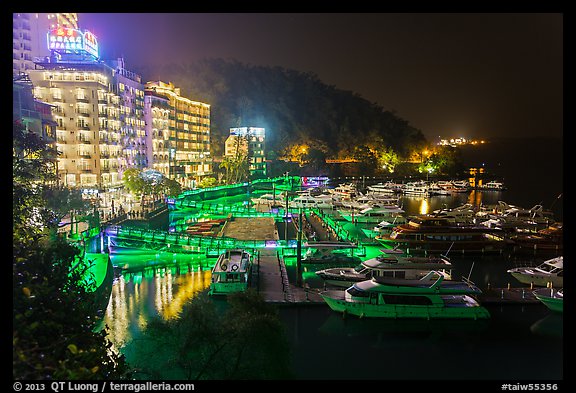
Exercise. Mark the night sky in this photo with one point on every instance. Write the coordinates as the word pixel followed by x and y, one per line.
pixel 471 75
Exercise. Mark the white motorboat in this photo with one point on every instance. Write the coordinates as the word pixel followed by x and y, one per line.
pixel 385 188
pixel 435 189
pixel 375 215
pixel 549 273
pixel 493 186
pixel 386 265
pixel 310 202
pixel 231 273
pixel 416 188
pixel 465 213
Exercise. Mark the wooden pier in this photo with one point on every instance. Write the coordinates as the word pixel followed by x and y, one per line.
pixel 508 296
pixel 273 283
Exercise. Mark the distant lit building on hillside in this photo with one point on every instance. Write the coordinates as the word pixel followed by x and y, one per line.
pixel 179 134
pixel 250 142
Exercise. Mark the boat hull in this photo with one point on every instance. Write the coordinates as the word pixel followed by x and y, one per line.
pixel 224 289
pixel 405 311
pixel 553 303
pixel 539 280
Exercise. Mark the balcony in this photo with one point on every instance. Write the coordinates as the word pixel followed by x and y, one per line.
pixel 84 140
pixel 84 169
pixel 84 154
pixel 83 112
pixel 83 126
pixel 82 99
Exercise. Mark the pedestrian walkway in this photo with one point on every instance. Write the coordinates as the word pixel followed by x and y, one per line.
pixel 273 283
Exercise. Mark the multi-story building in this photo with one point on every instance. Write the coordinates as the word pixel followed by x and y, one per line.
pixel 98 109
pixel 128 86
pixel 35 115
pixel 248 142
pixel 157 113
pixel 28 40
pixel 185 149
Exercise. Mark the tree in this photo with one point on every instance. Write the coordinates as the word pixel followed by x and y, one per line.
pixel 208 182
pixel 388 159
pixel 367 159
pixel 54 319
pixel 133 181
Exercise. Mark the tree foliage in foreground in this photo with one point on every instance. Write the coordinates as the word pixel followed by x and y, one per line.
pixel 54 319
pixel 243 339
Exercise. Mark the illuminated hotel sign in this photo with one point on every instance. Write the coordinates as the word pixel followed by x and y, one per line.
pixel 68 40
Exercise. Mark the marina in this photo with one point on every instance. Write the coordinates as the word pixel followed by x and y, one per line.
pixel 183 260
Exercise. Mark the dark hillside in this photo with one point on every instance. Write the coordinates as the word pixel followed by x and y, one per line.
pixel 293 106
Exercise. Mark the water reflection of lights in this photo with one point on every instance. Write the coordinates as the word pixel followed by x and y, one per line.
pixel 129 309
pixel 424 206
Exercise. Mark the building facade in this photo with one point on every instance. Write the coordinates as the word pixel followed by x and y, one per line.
pixel 179 134
pixel 249 142
pixel 28 40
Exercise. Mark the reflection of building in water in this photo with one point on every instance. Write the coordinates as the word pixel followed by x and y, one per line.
pixel 143 295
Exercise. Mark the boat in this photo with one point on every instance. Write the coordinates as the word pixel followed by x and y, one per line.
pixel 492 186
pixel 436 189
pixel 345 191
pixel 385 188
pixel 426 298
pixel 431 234
pixel 514 218
pixel 551 297
pixel 416 188
pixel 549 240
pixel 549 273
pixel 268 199
pixel 387 226
pixel 386 265
pixel 327 252
pixel 311 202
pixel 231 273
pixel 371 200
pixel 375 214
pixel 454 186
pixel 465 213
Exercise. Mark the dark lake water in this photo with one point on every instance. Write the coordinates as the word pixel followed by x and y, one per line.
pixel 517 343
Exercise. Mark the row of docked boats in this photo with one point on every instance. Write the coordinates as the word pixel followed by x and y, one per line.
pixel 398 286
pixel 394 285
pixel 431 188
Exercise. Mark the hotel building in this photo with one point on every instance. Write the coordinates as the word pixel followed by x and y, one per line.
pixel 178 132
pixel 249 142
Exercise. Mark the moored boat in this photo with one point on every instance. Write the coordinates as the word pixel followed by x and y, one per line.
pixel 386 265
pixel 437 234
pixel 231 273
pixel 548 273
pixel 551 298
pixel 393 298
pixel 330 253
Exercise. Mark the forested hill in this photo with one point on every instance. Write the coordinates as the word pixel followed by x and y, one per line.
pixel 293 106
